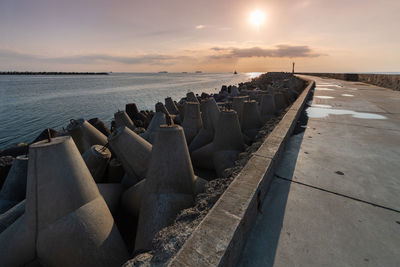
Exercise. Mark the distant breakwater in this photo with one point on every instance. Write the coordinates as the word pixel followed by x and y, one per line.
pixel 50 73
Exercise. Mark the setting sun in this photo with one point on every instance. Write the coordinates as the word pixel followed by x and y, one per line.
pixel 257 18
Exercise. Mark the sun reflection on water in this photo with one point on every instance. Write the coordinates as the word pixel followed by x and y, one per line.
pixel 254 74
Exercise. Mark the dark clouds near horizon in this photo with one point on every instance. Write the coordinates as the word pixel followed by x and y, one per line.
pixel 216 53
pixel 279 51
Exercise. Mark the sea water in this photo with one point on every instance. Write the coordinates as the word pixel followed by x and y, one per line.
pixel 31 103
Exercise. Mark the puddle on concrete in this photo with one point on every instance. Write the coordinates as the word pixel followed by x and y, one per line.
pixel 318 112
pixel 324 89
pixel 329 84
pixel 324 97
pixel 320 106
pixel 347 95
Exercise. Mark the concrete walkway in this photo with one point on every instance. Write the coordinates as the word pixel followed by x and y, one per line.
pixel 335 199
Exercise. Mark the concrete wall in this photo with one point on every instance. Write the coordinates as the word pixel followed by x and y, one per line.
pixel 384 80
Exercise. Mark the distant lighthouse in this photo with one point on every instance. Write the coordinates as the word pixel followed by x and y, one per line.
pixel 293 67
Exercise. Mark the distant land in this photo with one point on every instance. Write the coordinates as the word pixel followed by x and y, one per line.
pixel 50 73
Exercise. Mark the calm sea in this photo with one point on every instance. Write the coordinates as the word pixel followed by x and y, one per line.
pixel 29 104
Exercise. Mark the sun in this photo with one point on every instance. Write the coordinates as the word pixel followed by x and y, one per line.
pixel 257 18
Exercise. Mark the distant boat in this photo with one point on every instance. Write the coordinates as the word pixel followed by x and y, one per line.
pixel 235 72
pixel 199 71
pixel 163 71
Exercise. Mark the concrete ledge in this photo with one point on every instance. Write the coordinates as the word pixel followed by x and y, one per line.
pixel 219 238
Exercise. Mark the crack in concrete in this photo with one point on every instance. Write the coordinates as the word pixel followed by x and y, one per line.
pixel 338 194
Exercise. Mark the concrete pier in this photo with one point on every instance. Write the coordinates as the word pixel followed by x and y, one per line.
pixel 335 198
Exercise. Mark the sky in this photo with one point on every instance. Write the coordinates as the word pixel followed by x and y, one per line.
pixel 211 36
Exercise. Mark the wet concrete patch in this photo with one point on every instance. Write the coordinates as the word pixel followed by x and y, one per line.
pixel 329 84
pixel 324 97
pixel 324 89
pixel 318 112
pixel 321 106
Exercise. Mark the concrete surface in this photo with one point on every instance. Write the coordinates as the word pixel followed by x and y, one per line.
pixel 335 199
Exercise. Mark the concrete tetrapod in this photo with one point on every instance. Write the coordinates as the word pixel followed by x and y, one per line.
pixel 287 96
pixel 85 135
pixel 160 107
pixel 5 166
pixel 226 146
pixel 234 91
pixel 115 171
pixel 209 115
pixel 14 187
pixel 129 180
pixel 251 119
pixel 156 121
pixel 237 105
pixel 170 105
pixel 132 198
pixel 228 141
pixel 11 215
pixel 132 150
pixel 99 125
pixel 110 192
pixel 45 134
pixel 169 185
pixel 112 195
pixel 66 220
pixel 133 113
pixel 122 119
pixel 280 101
pixel 192 122
pixel 97 159
pixel 267 109
pixel 190 97
pixel 131 109
pixel 256 97
pixel 291 94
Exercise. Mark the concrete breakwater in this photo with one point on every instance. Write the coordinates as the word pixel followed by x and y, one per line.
pixel 117 192
pixel 391 81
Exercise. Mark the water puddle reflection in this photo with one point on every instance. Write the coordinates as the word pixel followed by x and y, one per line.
pixel 320 106
pixel 318 112
pixel 329 84
pixel 324 89
pixel 324 97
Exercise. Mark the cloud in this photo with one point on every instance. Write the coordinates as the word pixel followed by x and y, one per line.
pixel 152 59
pixel 199 27
pixel 278 51
pixel 222 55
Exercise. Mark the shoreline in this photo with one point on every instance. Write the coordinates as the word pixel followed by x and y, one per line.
pixel 51 73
